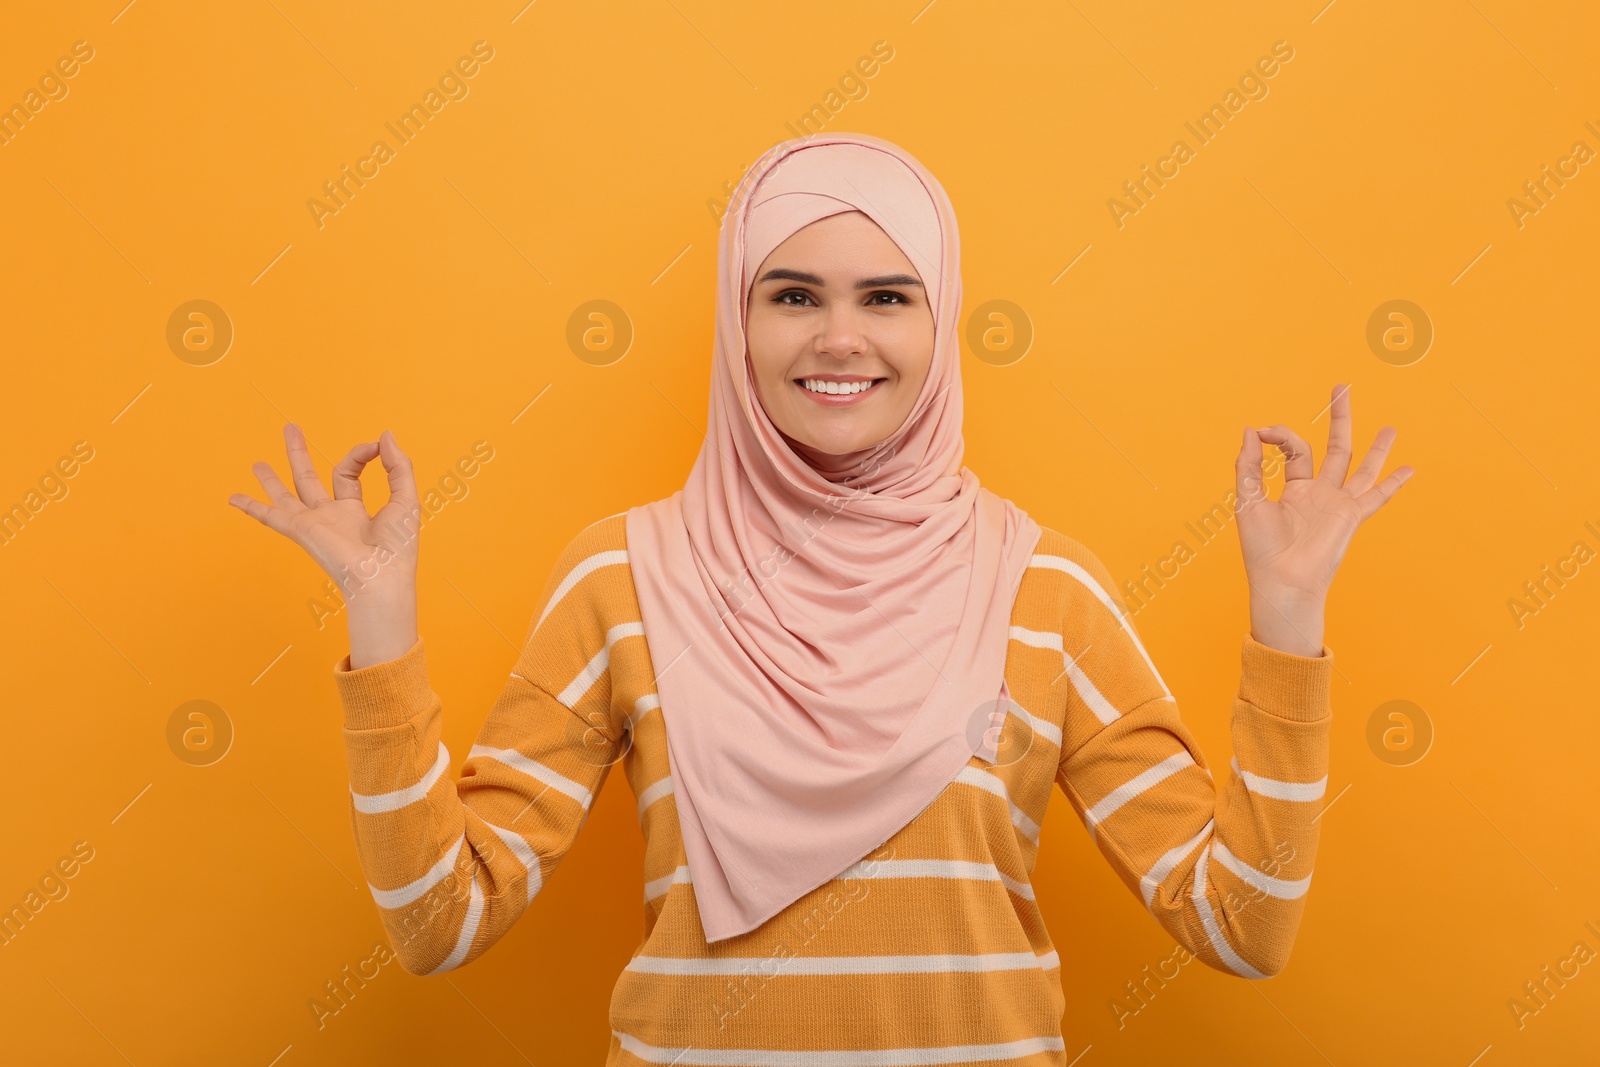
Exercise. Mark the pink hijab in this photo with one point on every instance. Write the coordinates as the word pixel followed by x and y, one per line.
pixel 829 640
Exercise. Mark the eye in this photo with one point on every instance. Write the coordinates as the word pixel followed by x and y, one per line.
pixel 898 297
pixel 782 298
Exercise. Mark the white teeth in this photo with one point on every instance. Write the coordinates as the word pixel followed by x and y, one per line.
pixel 819 386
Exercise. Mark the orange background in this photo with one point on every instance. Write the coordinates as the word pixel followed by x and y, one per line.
pixel 221 898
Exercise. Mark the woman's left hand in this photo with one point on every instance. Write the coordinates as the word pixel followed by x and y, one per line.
pixel 1293 545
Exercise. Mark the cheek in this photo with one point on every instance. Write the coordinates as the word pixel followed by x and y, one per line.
pixel 911 350
pixel 770 346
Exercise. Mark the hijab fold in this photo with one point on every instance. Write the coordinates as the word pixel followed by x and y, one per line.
pixel 829 632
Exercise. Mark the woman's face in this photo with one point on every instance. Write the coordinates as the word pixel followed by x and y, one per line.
pixel 838 302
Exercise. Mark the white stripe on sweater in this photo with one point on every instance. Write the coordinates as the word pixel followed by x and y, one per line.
pixel 399 898
pixel 523 851
pixel 1007 1051
pixel 937 963
pixel 867 869
pixel 1140 782
pixel 579 571
pixel 1047 730
pixel 981 872
pixel 1219 940
pixel 469 929
pixel 1087 691
pixel 659 886
pixel 1282 888
pixel 1272 787
pixel 1066 566
pixel 374 803
pixel 642 707
pixel 597 666
pixel 656 790
pixel 1152 879
pixel 984 780
pixel 534 769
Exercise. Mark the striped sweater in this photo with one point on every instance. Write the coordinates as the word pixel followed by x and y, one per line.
pixel 931 949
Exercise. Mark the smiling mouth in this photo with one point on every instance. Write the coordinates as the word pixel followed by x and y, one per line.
pixel 839 390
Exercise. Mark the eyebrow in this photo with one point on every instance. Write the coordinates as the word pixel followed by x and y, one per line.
pixel 784 274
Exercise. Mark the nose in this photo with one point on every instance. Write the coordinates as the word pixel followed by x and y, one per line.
pixel 841 335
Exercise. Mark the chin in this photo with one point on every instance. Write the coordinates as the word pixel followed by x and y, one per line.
pixel 835 445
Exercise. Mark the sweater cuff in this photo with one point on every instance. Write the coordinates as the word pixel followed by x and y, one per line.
pixel 383 694
pixel 1284 684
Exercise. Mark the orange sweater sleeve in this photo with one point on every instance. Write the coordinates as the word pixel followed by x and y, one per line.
pixel 1226 873
pixel 453 863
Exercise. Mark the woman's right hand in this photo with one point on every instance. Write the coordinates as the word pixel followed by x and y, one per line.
pixel 372 559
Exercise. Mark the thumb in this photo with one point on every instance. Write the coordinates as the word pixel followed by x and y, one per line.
pixel 1249 485
pixel 402 481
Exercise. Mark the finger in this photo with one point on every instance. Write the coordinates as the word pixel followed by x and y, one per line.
pixel 1296 453
pixel 277 492
pixel 1337 461
pixel 402 483
pixel 1383 492
pixel 1372 462
pixel 347 472
pixel 1248 483
pixel 306 482
pixel 271 517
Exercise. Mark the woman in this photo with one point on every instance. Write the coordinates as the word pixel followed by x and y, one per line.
pixel 871 672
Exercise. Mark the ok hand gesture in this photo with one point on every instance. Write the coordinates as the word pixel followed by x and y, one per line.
pixel 1293 545
pixel 373 558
